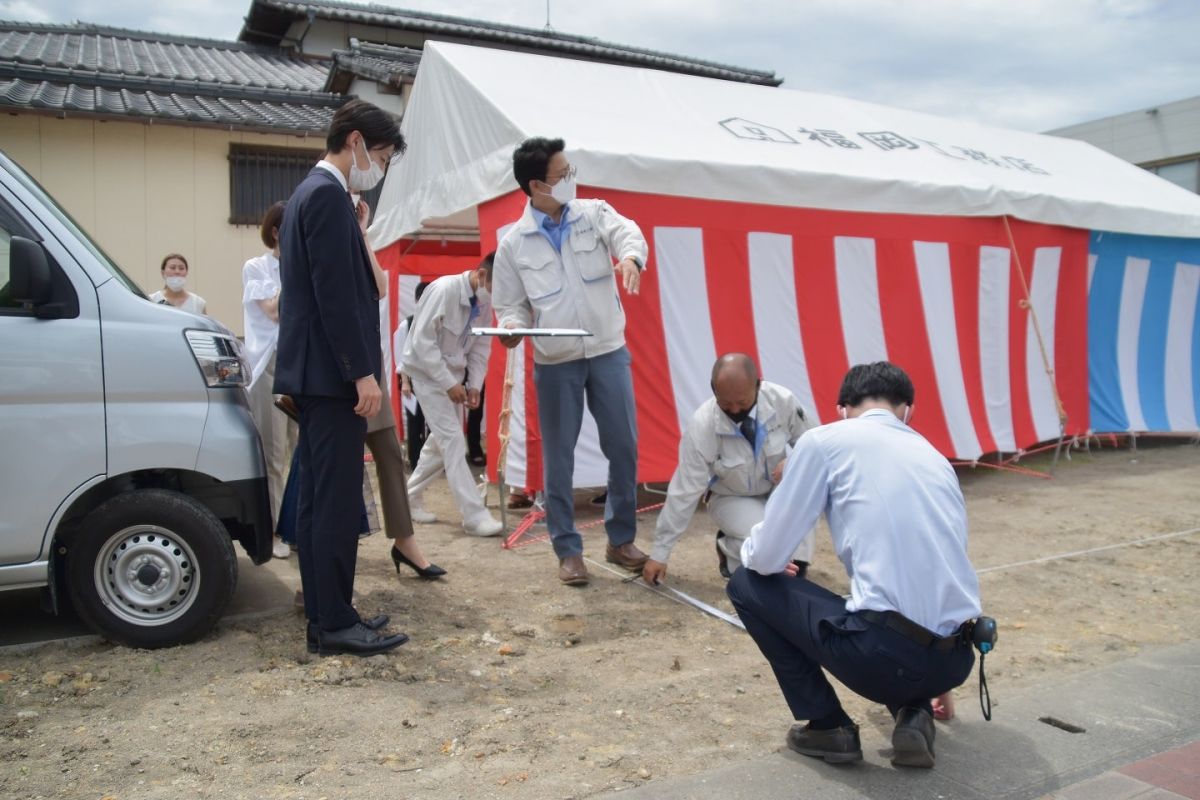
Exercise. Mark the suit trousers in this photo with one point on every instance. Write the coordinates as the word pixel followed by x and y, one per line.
pixel 735 515
pixel 606 382
pixel 330 507
pixel 801 628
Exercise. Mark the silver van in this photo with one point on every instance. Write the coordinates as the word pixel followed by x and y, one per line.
pixel 128 458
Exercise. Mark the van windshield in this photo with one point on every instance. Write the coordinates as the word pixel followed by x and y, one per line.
pixel 101 257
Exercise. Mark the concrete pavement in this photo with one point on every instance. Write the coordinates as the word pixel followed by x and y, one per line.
pixel 1140 737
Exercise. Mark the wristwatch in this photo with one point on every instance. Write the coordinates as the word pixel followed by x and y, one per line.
pixel 638 263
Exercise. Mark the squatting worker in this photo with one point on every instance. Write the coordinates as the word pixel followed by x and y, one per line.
pixel 555 269
pixel 328 358
pixel 899 526
pixel 732 452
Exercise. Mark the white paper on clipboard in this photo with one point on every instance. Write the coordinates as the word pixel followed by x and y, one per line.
pixel 529 332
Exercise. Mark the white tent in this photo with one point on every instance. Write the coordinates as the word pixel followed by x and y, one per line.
pixel 660 132
pixel 816 232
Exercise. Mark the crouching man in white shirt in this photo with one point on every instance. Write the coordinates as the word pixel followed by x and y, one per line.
pixel 732 452
pixel 899 526
pixel 439 352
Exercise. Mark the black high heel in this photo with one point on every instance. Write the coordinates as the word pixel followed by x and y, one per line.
pixel 428 573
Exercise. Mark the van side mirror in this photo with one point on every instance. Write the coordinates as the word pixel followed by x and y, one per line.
pixel 29 272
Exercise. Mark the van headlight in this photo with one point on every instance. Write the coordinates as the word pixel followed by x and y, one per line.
pixel 220 358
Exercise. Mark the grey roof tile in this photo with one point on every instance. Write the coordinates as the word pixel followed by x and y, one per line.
pixel 87 69
pixel 268 21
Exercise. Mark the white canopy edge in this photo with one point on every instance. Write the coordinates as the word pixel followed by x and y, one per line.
pixel 658 132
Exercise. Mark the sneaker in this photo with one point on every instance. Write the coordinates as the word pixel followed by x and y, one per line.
pixel 280 549
pixel 485 525
pixel 419 514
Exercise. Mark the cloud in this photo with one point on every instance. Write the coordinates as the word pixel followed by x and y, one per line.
pixel 1029 64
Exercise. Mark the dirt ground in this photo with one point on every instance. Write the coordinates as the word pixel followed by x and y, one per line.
pixel 516 687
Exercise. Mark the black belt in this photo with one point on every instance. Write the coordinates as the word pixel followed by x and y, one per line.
pixel 911 630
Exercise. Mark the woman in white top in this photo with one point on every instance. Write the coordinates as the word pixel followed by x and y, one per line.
pixel 260 316
pixel 175 271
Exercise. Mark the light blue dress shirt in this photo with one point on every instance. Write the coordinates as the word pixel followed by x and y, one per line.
pixel 896 514
pixel 553 231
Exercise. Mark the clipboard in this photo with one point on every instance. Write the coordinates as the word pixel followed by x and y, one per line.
pixel 529 332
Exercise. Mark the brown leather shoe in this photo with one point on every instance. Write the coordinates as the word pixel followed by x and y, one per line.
pixel 572 571
pixel 627 556
pixel 835 746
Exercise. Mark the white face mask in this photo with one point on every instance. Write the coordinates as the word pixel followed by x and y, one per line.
pixel 563 192
pixel 907 414
pixel 364 180
pixel 176 283
pixel 482 295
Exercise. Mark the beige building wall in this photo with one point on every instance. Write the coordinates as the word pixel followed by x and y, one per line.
pixel 143 191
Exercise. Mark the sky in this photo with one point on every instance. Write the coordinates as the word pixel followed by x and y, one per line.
pixel 1033 65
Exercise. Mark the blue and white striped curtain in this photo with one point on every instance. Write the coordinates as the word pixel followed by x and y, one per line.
pixel 1143 333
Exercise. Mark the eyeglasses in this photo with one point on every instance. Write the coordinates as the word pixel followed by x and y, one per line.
pixel 568 175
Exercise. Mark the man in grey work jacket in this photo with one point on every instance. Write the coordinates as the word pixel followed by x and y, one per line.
pixel 555 269
pixel 733 450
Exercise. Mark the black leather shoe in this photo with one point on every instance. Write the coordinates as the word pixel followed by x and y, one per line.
pixel 357 640
pixel 311 637
pixel 429 573
pixel 722 560
pixel 836 745
pixel 912 739
pixel 376 622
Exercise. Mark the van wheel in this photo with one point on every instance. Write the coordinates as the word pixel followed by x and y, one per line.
pixel 151 568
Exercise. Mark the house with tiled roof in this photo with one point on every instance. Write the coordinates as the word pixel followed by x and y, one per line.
pixel 160 143
pixel 143 137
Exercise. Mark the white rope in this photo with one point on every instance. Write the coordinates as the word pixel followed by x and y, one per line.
pixel 1090 550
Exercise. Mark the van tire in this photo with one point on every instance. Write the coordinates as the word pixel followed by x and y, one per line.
pixel 151 568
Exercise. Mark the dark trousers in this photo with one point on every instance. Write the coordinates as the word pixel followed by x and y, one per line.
pixel 330 505
pixel 801 628
pixel 475 427
pixel 414 436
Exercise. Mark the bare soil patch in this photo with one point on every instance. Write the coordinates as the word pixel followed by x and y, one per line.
pixel 516 687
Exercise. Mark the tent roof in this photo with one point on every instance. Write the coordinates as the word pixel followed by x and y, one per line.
pixel 650 131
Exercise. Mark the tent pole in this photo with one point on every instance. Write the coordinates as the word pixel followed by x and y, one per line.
pixel 1027 303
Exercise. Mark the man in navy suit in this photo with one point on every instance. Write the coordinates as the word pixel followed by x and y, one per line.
pixel 328 360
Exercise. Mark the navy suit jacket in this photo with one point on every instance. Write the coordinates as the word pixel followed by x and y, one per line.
pixel 329 303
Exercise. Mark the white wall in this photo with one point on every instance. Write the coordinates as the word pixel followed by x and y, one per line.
pixel 142 191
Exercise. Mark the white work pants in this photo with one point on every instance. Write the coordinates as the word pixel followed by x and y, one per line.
pixel 735 516
pixel 444 448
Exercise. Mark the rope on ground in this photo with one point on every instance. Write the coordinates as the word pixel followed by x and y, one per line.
pixel 1089 551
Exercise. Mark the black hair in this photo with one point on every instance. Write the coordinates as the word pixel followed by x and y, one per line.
pixel 531 160
pixel 882 380
pixel 271 220
pixel 420 290
pixel 487 263
pixel 378 127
